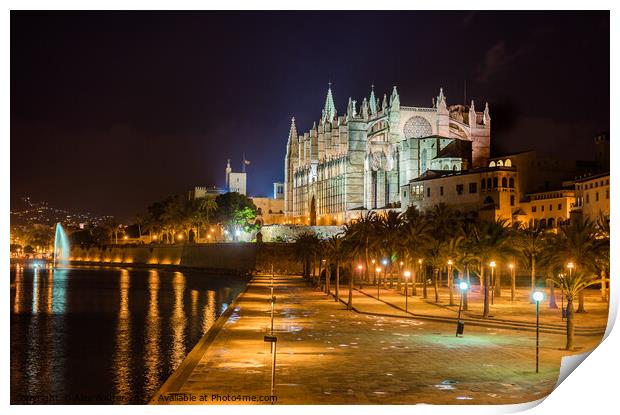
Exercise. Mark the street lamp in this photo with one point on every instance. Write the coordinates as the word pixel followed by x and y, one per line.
pixel 377 271
pixel 537 296
pixel 492 264
pixel 407 274
pixel 460 325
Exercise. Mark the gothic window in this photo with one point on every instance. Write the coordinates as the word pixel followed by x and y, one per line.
pixel 495 182
pixel 472 187
pixel 417 127
pixel 423 161
pixel 482 184
pixel 511 183
pixel 504 182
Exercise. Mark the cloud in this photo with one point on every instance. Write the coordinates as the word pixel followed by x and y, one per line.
pixel 496 58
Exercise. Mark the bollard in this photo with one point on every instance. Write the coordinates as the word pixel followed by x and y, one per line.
pixel 273 340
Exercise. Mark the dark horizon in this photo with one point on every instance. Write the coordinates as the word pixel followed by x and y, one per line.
pixel 111 111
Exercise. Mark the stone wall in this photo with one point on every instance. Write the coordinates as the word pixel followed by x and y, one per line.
pixel 220 257
pixel 287 233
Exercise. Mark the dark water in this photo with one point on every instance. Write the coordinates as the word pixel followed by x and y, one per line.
pixel 106 335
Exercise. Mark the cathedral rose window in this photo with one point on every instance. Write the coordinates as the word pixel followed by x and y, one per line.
pixel 417 127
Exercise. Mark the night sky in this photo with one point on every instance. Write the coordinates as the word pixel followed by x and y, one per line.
pixel 112 111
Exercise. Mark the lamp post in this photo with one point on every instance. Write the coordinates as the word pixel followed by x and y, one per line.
pixel 375 274
pixel 377 271
pixel 492 264
pixel 407 274
pixel 460 325
pixel 513 282
pixel 537 297
pixel 384 261
pixel 570 267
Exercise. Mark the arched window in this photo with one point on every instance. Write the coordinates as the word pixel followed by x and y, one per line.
pixel 446 167
pixel 508 163
pixel 483 184
pixel 511 182
pixel 454 167
pixel 551 223
pixel 504 182
pixel 423 161
pixel 489 184
pixel 495 182
pixel 500 163
pixel 543 223
pixel 492 164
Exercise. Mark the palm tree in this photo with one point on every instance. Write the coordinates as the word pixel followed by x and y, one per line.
pixel 577 243
pixel 453 252
pixel 387 231
pixel 335 255
pixel 530 245
pixel 304 248
pixel 490 241
pixel 415 235
pixel 436 257
pixel 573 285
pixel 362 234
pixel 603 232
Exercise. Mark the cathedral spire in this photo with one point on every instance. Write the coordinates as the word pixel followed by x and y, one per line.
pixel 385 102
pixel 365 109
pixel 372 101
pixel 472 114
pixel 441 102
pixel 329 112
pixel 394 100
pixel 486 117
pixel 292 135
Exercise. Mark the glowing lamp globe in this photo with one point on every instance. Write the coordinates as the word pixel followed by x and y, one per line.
pixel 538 296
pixel 463 285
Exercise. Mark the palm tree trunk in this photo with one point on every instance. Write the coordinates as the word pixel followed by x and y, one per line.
pixel 498 282
pixel 414 280
pixel 533 275
pixel 366 272
pixel 570 325
pixel 350 303
pixel 484 277
pixel 581 297
pixel 424 290
pixel 552 303
pixel 603 286
pixel 436 284
pixel 450 286
pixel 337 281
pixel 465 294
pixel 328 277
pixel 513 284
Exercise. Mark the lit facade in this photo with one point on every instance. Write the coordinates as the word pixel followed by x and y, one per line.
pixel 348 164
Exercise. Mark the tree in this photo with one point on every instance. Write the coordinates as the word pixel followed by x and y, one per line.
pixel 602 257
pixel 573 285
pixel 236 212
pixel 304 250
pixel 388 236
pixel 415 236
pixel 577 243
pixel 530 244
pixel 361 234
pixel 490 242
pixel 336 255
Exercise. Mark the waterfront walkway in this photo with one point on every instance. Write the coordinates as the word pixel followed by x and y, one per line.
pixel 328 355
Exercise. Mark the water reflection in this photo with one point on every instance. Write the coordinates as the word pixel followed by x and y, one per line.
pixel 178 321
pixel 152 329
pixel 107 331
pixel 122 360
pixel 209 312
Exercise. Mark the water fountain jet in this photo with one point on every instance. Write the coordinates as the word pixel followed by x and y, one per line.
pixel 61 246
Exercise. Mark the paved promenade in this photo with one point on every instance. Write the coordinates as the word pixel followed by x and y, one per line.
pixel 328 355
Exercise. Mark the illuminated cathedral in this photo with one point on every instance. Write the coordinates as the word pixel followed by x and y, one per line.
pixel 365 159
